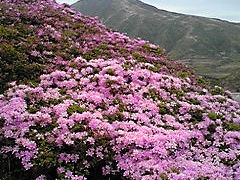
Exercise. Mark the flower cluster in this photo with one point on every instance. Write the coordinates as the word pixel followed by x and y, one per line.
pixel 145 124
pixel 114 107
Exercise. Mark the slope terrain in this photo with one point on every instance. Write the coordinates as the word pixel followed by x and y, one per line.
pixel 80 101
pixel 210 46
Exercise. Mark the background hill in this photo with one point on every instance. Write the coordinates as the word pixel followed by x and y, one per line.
pixel 211 46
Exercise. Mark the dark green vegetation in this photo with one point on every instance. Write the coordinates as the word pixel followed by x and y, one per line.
pixel 16 63
pixel 26 47
pixel 210 46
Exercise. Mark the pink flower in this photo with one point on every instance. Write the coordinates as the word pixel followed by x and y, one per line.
pixel 35 53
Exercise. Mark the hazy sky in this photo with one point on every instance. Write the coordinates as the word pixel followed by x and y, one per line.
pixel 223 9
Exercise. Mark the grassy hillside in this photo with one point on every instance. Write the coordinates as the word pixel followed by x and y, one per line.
pixel 210 46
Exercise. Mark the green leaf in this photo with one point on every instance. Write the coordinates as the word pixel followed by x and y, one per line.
pixel 75 108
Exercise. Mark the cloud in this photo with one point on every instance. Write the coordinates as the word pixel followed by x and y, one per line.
pixel 67 1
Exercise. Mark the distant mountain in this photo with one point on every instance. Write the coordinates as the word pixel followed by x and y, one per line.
pixel 211 46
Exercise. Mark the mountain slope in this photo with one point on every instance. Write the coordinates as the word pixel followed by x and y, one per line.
pixel 211 46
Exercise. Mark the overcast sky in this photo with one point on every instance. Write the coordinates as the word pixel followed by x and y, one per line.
pixel 223 9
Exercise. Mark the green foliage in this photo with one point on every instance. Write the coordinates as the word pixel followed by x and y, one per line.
pixel 121 106
pixel 217 91
pixel 229 162
pixel 102 105
pixel 40 48
pixel 174 170
pixel 94 79
pixel 34 82
pixel 186 89
pixel 153 69
pixel 163 176
pixel 122 51
pixel 118 116
pixel 214 116
pixel 110 82
pixel 14 66
pixel 126 67
pixel 74 65
pixel 75 108
pixel 75 52
pixel 9 54
pixel 212 128
pixel 194 101
pixel 232 126
pixel 196 116
pixel 78 128
pixel 1 122
pixel 93 54
pixel 11 168
pixel 147 47
pixel 7 33
pixel 201 82
pixel 55 101
pixel 23 30
pixel 47 156
pixel 139 57
pixel 203 178
pixel 177 92
pixel 183 74
pixel 110 72
pixel 163 108
pixel 168 127
pixel 63 91
pixel 96 70
pixel 153 94
pixel 221 100
pixel 69 33
pixel 42 129
pixel 157 50
pixel 33 110
pixel 156 67
pixel 193 141
pixel 104 46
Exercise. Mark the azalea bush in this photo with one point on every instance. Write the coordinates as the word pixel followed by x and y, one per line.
pixel 104 106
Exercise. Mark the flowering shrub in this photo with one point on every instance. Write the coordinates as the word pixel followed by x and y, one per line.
pixel 36 33
pixel 109 107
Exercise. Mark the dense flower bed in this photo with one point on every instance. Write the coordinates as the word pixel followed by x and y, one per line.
pixel 111 107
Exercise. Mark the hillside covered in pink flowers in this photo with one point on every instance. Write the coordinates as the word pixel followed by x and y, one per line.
pixel 80 101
